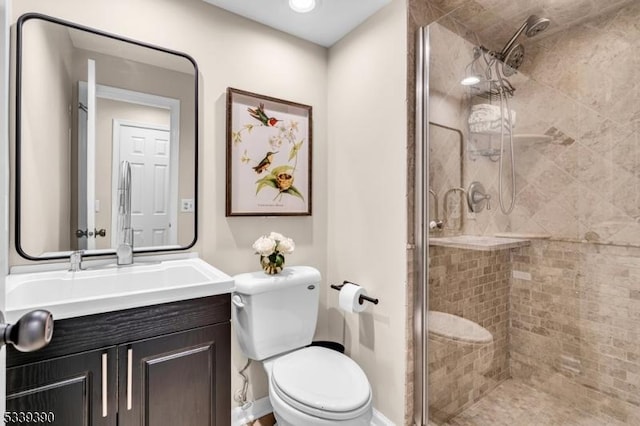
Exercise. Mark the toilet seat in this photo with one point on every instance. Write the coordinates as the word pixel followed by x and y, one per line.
pixel 322 383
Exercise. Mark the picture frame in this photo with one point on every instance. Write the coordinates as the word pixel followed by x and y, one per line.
pixel 269 156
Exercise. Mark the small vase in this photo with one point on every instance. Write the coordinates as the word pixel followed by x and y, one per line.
pixel 272 264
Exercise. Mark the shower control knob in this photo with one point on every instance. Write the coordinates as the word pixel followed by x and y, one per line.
pixel 33 331
pixel 478 198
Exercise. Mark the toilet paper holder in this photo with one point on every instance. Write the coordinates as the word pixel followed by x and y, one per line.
pixel 362 297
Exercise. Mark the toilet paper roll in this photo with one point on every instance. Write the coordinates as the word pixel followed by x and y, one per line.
pixel 349 298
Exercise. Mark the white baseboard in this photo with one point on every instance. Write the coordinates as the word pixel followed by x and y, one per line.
pixel 380 420
pixel 254 410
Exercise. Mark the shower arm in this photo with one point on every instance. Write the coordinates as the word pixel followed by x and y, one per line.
pixel 512 41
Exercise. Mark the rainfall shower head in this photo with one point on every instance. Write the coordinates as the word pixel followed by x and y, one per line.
pixel 535 25
pixel 513 53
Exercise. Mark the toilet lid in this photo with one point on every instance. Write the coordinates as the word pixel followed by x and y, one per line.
pixel 322 379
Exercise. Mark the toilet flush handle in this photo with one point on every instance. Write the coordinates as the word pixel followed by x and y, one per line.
pixel 237 300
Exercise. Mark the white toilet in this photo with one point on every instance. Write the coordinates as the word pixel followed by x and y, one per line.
pixel 274 317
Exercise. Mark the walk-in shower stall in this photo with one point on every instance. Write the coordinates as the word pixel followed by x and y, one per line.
pixel 528 215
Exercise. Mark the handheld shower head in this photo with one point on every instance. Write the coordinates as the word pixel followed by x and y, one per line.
pixel 512 60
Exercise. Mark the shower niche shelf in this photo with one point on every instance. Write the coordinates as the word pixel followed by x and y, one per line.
pixel 520 137
pixel 494 153
pixel 491 152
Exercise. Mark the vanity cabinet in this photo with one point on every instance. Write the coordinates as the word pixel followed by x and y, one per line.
pixel 171 380
pixel 160 365
pixel 63 391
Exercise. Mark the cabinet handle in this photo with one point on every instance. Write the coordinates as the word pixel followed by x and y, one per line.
pixel 104 385
pixel 129 378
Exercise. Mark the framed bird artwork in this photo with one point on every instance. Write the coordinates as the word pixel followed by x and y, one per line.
pixel 268 156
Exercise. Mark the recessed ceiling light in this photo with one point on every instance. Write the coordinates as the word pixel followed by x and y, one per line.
pixel 302 6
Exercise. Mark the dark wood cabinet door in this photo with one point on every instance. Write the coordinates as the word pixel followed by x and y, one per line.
pixel 178 379
pixel 71 388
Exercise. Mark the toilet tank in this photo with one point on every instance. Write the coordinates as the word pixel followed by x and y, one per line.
pixel 275 314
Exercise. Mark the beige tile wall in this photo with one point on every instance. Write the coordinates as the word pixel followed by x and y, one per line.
pixel 579 179
pixel 575 326
pixel 474 285
pixel 569 325
pixel 447 106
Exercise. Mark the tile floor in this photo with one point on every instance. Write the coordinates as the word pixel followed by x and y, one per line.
pixel 515 403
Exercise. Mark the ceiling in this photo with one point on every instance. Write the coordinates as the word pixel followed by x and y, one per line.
pixel 326 24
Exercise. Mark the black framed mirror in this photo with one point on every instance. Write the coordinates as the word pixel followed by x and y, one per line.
pixel 86 102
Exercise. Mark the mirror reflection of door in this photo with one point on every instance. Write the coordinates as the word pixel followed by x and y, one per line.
pixel 147 149
pixel 144 130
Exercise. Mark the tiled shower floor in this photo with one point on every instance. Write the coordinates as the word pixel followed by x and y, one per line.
pixel 515 403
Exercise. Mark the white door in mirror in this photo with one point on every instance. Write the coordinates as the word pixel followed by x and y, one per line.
pixel 148 152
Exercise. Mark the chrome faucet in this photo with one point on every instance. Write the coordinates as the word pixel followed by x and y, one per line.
pixel 75 261
pixel 124 251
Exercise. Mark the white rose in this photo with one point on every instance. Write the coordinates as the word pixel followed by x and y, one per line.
pixel 264 246
pixel 286 246
pixel 276 236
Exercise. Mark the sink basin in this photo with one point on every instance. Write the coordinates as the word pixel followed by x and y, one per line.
pixel 69 294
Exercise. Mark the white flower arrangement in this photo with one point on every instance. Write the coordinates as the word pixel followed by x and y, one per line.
pixel 272 249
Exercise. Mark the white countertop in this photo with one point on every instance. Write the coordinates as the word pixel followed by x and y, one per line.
pixel 68 294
